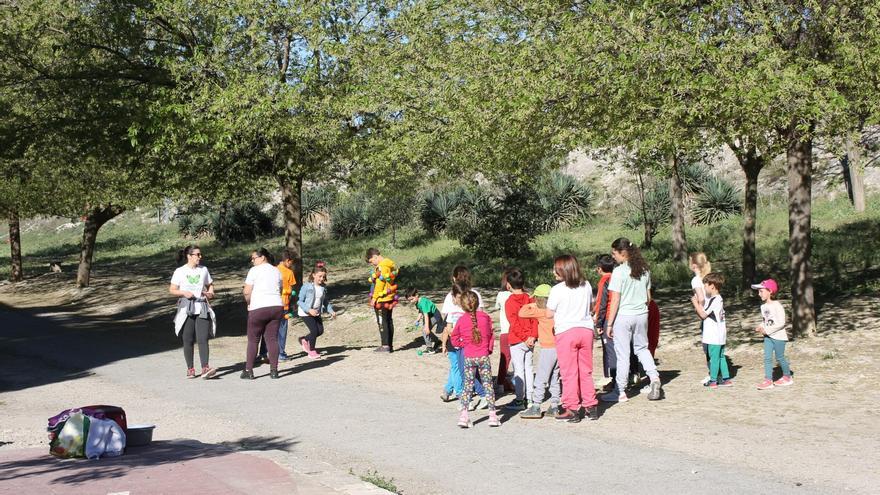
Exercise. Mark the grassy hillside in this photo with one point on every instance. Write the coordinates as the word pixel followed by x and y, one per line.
pixel 845 254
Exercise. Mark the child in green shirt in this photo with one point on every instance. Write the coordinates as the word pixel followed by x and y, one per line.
pixel 429 319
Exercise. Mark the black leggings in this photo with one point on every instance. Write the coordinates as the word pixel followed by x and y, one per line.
pixel 195 329
pixel 386 326
pixel 316 328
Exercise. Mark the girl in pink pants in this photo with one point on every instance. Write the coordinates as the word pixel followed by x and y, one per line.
pixel 569 306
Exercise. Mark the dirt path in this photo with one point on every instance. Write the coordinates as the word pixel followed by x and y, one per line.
pixel 356 410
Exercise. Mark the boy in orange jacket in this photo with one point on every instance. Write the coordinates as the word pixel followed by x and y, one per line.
pixel 548 366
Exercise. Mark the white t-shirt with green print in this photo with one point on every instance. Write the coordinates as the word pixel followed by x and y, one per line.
pixel 193 280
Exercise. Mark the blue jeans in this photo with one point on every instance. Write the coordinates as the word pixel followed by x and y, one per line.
pixel 774 346
pixel 282 337
pixel 455 380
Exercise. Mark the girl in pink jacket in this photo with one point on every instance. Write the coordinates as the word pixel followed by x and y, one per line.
pixel 473 333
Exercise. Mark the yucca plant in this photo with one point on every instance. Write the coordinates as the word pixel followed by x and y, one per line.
pixel 315 202
pixel 437 206
pixel 718 200
pixel 565 201
pixel 355 216
pixel 694 177
pixel 658 207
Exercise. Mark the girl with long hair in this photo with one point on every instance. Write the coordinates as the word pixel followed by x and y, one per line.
pixel 473 335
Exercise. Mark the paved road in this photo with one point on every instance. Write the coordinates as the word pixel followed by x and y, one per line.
pixel 407 439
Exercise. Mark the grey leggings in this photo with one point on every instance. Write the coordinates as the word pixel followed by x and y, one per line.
pixel 194 330
pixel 632 329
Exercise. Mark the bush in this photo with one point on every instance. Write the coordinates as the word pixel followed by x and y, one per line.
pixel 565 201
pixel 694 177
pixel 718 200
pixel 316 202
pixel 243 221
pixel 499 225
pixel 358 215
pixel 658 207
pixel 437 207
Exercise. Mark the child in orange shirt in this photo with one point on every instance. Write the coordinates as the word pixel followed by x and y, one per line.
pixel 548 366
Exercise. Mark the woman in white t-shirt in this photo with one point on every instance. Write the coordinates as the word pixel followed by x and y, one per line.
pixel 569 306
pixel 193 285
pixel 262 291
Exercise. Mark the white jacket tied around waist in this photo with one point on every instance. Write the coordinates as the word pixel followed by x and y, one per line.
pixel 186 307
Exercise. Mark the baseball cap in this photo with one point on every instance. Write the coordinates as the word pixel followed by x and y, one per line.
pixel 542 290
pixel 768 284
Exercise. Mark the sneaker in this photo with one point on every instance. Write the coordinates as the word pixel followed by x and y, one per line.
pixel 515 405
pixel 608 387
pixel 463 420
pixel 208 372
pixel 726 383
pixel 533 412
pixel 706 381
pixel 448 396
pixel 566 415
pixel 614 397
pixel 247 375
pixel 593 413
pixel 555 410
pixel 284 357
pixel 765 385
pixel 191 373
pixel 305 344
pixel 314 354
pixel 382 348
pixel 493 419
pixel 576 416
pixel 656 392
pixel 712 385
pixel 784 381
pixel 274 374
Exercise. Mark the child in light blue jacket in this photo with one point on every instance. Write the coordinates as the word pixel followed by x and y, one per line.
pixel 314 301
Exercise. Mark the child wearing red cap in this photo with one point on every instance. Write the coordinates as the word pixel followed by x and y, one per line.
pixel 775 336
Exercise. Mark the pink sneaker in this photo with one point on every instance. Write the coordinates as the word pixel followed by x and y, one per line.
pixel 784 381
pixel 191 373
pixel 765 385
pixel 305 345
pixel 208 372
pixel 464 420
pixel 493 419
pixel 314 355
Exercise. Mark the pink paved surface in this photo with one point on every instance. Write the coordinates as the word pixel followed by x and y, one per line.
pixel 163 467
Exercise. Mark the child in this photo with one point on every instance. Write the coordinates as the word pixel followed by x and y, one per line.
pixel 775 336
pixel 452 311
pixel 522 336
pixel 604 266
pixel 473 334
pixel 313 300
pixel 383 296
pixel 714 329
pixel 503 383
pixel 429 318
pixel 701 267
pixel 548 366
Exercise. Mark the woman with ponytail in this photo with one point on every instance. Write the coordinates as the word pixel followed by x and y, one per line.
pixel 473 334
pixel 195 321
pixel 627 319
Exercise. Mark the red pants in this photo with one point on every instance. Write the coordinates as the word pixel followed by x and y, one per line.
pixel 504 363
pixel 574 349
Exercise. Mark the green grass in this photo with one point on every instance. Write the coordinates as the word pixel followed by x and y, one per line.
pixel 375 478
pixel 846 251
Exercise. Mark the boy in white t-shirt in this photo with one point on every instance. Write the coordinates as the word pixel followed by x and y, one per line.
pixel 714 330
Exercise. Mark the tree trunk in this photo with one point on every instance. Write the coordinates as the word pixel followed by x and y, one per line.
pixel 291 202
pixel 799 156
pixel 676 194
pixel 95 219
pixel 751 164
pixel 649 226
pixel 223 224
pixel 15 246
pixel 856 168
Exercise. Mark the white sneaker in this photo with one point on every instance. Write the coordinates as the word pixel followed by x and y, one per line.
pixel 706 380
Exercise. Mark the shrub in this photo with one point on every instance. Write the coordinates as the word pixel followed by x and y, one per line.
pixel 355 216
pixel 499 225
pixel 316 202
pixel 694 177
pixel 243 221
pixel 565 201
pixel 658 206
pixel 718 200
pixel 437 206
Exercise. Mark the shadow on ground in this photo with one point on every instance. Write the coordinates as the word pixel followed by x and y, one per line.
pixel 158 453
